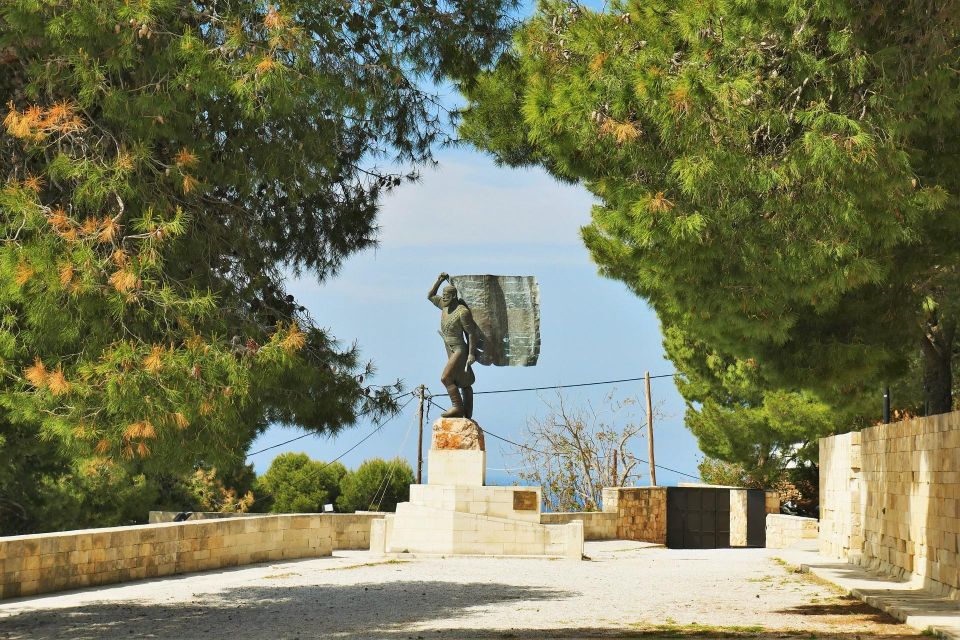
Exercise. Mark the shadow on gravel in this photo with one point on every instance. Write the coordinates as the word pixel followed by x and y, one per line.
pixel 366 610
pixel 637 634
pixel 846 606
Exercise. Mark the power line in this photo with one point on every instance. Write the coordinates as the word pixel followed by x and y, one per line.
pixel 557 386
pixel 571 386
pixel 369 435
pixel 557 453
pixel 313 433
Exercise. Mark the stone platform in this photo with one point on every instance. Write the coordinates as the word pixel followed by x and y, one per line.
pixel 456 513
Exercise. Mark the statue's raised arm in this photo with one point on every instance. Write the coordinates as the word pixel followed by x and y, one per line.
pixel 432 294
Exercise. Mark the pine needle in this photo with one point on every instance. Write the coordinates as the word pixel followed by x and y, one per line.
pixel 57 382
pixel 36 374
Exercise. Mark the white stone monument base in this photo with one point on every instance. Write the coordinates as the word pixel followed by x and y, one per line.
pixel 457 466
pixel 417 529
pixel 454 513
pixel 473 520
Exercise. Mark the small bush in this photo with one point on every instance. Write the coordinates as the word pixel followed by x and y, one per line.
pixel 376 485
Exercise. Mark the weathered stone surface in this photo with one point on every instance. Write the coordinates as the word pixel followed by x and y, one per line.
pixel 890 500
pixel 457 433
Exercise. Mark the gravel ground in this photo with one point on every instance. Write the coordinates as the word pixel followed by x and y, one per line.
pixel 626 589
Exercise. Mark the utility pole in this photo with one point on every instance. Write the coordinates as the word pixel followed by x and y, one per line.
pixel 886 405
pixel 615 468
pixel 653 466
pixel 422 391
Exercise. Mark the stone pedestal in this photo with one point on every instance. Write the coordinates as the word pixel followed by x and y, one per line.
pixel 457 467
pixel 455 513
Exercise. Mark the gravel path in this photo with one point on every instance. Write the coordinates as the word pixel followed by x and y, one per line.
pixel 625 589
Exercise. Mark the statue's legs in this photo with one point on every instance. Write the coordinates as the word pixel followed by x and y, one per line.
pixel 448 378
pixel 467 393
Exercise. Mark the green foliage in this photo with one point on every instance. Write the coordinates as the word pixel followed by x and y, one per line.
pixel 729 474
pixel 296 484
pixel 40 491
pixel 740 417
pixel 376 485
pixel 775 178
pixel 164 166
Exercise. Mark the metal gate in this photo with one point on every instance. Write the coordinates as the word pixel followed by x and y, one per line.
pixel 698 517
pixel 756 518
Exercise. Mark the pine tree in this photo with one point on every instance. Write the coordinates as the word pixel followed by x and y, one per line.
pixel 777 178
pixel 739 417
pixel 165 165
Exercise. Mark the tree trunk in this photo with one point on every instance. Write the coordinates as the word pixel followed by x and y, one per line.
pixel 937 350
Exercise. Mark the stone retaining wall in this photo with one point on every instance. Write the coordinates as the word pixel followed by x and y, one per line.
pixel 785 531
pixel 597 525
pixel 641 512
pixel 890 499
pixel 46 562
pixel 350 530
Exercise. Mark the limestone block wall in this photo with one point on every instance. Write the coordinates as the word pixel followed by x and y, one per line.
pixel 840 511
pixel 738 517
pixel 42 563
pixel 641 512
pixel 900 513
pixel 771 501
pixel 350 530
pixel 597 525
pixel 784 531
pixel 157 517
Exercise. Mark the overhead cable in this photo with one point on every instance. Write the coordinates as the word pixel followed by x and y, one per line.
pixel 557 453
pixel 313 433
pixel 571 386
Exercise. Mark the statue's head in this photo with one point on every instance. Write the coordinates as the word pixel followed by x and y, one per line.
pixel 449 295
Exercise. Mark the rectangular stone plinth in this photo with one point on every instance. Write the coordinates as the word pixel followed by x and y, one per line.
pixel 457 467
pixel 498 502
pixel 419 529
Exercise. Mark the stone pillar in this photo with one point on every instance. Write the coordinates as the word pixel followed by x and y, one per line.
pixel 457 455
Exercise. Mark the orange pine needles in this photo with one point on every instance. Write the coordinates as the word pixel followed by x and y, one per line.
pixel 294 340
pixel 623 131
pixel 58 219
pixel 185 158
pixel 36 374
pixel 37 123
pixel 154 360
pixel 66 274
pixel 680 100
pixel 34 183
pixel 109 228
pixel 659 203
pixel 23 274
pixel 120 257
pixel 189 183
pixel 274 19
pixel 57 383
pixel 265 65
pixel 142 429
pixel 123 280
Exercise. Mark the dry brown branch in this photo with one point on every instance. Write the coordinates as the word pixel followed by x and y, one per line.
pixel 571 450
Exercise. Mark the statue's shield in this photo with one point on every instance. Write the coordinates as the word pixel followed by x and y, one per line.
pixel 507 311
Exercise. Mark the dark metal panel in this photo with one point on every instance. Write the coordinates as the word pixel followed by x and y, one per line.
pixel 698 518
pixel 756 518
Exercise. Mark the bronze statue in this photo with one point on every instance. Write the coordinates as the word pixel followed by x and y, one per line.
pixel 456 321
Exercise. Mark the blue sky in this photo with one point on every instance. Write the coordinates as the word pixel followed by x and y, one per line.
pixel 469 216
